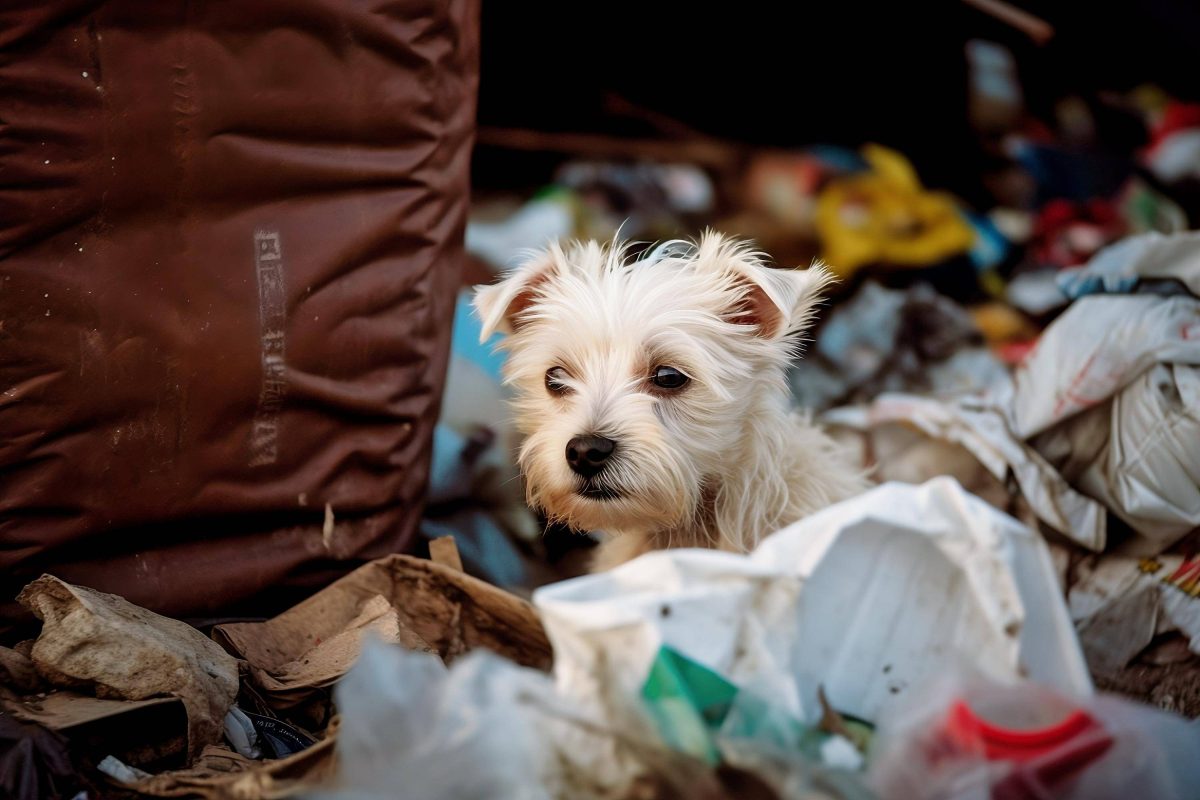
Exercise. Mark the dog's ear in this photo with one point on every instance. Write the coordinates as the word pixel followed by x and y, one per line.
pixel 500 305
pixel 775 302
pixel 780 302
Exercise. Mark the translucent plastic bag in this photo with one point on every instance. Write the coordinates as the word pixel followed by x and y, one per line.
pixel 966 738
pixel 414 730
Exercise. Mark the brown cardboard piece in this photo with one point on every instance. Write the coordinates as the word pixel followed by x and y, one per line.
pixel 419 604
pixel 221 773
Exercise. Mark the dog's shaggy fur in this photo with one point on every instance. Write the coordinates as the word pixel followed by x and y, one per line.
pixel 719 462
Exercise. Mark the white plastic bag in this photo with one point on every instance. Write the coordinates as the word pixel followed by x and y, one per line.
pixel 1139 454
pixel 867 598
pixel 1096 348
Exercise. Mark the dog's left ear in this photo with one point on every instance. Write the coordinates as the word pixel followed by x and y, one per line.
pixel 780 302
pixel 775 302
pixel 500 305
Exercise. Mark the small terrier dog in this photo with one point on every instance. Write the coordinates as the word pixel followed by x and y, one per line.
pixel 653 397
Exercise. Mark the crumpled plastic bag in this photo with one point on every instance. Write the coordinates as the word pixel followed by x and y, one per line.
pixel 412 729
pixel 102 643
pixel 1103 415
pixel 34 762
pixel 810 607
pixel 967 738
pixel 1138 453
pixel 1100 345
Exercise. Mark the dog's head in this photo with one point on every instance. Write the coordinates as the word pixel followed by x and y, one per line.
pixel 637 380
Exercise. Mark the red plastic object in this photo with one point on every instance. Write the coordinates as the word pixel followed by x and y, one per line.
pixel 1042 759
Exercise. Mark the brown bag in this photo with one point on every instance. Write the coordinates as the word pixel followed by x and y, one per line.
pixel 230 241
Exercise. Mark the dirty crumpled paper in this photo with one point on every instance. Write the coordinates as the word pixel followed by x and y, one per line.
pixel 419 604
pixel 290 681
pixel 101 643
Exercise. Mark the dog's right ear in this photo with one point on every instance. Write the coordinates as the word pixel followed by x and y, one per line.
pixel 501 305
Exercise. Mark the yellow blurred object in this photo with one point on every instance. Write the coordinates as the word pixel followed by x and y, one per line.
pixel 1000 323
pixel 886 216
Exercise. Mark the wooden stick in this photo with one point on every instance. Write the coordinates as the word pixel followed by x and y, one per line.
pixel 715 154
pixel 665 124
pixel 1035 28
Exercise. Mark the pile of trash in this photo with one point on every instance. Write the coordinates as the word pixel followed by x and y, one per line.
pixel 940 636
pixel 112 700
pixel 1037 343
pixel 1013 612
pixel 1023 385
pixel 1094 439
pixel 912 642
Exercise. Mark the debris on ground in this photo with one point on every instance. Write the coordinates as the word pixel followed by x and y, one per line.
pixel 147 701
pixel 966 736
pixel 884 340
pixel 103 645
pixel 34 762
pixel 1121 605
pixel 1014 612
pixel 1099 417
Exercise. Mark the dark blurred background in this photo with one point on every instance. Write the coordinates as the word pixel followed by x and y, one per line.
pixel 788 75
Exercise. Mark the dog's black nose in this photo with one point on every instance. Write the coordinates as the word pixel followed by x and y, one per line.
pixel 588 454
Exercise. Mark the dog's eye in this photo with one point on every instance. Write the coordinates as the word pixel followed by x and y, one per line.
pixel 555 381
pixel 669 378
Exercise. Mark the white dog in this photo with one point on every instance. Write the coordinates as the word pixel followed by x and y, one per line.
pixel 653 397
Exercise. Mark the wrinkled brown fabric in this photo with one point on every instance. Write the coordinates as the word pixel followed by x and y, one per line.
pixel 230 238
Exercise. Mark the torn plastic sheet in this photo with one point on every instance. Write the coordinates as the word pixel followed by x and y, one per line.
pixel 1103 415
pixel 413 729
pixel 807 609
pixel 984 432
pixel 1100 345
pixel 1120 604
